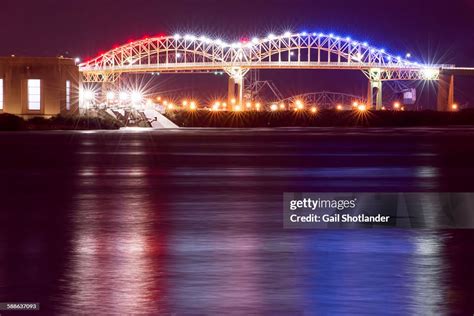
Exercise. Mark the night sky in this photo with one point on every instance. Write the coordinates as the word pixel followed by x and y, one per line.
pixel 435 31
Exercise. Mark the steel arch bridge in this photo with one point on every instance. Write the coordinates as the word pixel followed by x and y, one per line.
pixel 288 51
pixel 326 99
pixel 189 53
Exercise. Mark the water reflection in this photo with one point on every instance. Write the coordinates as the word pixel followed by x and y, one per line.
pixel 190 222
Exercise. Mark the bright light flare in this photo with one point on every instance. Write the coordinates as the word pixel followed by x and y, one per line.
pixel 110 96
pixel 192 105
pixel 339 107
pixel 454 107
pixel 396 105
pixel 136 96
pixel 314 109
pixel 89 95
pixel 429 73
pixel 274 107
pixel 299 104
pixel 362 108
pixel 123 96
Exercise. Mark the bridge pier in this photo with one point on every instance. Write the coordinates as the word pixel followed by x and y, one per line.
pixel 374 92
pixel 445 92
pixel 236 86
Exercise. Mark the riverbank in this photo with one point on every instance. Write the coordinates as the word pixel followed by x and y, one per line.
pixel 324 118
pixel 9 122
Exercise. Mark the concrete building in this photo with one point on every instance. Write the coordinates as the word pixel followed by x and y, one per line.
pixel 38 86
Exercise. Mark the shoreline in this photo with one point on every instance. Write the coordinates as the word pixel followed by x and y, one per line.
pixel 253 119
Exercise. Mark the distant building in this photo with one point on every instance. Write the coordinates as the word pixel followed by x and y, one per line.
pixel 38 86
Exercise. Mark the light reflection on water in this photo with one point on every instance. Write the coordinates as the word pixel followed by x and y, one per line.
pixel 152 223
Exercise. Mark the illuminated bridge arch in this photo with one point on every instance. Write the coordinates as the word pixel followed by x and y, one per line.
pixel 175 54
pixel 326 99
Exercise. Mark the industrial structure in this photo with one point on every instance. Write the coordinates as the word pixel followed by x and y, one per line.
pixel 189 53
pixel 38 86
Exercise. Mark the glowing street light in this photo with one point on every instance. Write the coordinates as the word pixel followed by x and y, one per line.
pixel 257 106
pixel 185 103
pixel 192 105
pixel 454 107
pixel 249 105
pixel 314 109
pixel 110 96
pixel 299 104
pixel 123 96
pixel 339 107
pixel 136 97
pixel 237 108
pixel 282 106
pixel 89 95
pixel 274 107
pixel 362 108
pixel 396 105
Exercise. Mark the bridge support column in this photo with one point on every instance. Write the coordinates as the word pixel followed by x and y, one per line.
pixel 445 92
pixel 236 86
pixel 231 91
pixel 374 92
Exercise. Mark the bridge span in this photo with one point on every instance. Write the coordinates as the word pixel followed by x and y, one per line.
pixel 191 54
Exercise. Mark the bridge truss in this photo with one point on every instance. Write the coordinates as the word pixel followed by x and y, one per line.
pixel 288 51
pixel 192 54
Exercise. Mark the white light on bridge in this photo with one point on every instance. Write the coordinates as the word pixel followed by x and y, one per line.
pixel 362 108
pixel 89 95
pixel 123 96
pixel 287 34
pixel 429 73
pixel 274 107
pixel 136 96
pixel 110 96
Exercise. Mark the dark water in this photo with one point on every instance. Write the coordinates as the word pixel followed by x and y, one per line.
pixel 189 222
